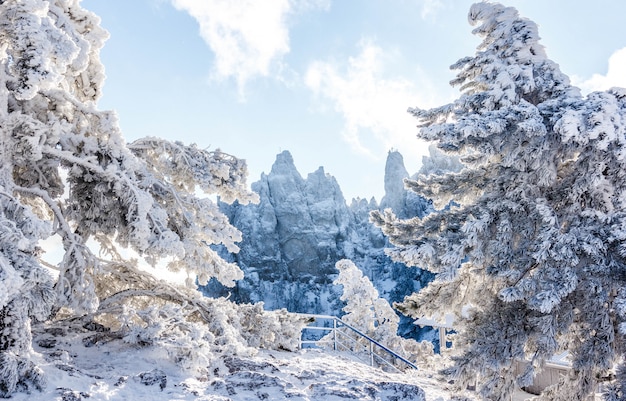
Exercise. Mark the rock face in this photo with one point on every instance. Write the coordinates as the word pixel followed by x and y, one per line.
pixel 405 204
pixel 302 227
pixel 395 173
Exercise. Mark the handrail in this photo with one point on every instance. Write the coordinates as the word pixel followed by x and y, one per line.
pixel 371 353
pixel 372 342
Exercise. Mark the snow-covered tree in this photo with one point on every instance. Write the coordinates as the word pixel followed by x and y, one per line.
pixel 530 257
pixel 67 173
pixel 366 311
pixel 439 163
pixel 364 308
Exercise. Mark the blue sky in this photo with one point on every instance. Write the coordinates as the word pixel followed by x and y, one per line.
pixel 328 80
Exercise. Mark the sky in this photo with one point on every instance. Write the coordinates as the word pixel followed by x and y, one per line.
pixel 328 80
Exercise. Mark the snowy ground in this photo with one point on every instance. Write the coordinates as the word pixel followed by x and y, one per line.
pixel 79 366
pixel 83 365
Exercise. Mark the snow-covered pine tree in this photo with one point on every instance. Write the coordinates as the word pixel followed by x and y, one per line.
pixel 530 258
pixel 364 308
pixel 374 316
pixel 66 171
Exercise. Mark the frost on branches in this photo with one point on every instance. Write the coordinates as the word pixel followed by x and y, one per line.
pixel 373 315
pixel 534 249
pixel 66 172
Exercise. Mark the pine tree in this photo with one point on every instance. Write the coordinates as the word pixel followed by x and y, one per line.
pixel 66 171
pixel 529 256
pixel 364 308
pixel 368 312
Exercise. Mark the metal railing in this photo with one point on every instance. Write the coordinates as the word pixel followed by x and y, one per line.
pixel 339 336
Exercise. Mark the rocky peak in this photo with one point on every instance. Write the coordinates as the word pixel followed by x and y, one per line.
pixel 395 193
pixel 284 164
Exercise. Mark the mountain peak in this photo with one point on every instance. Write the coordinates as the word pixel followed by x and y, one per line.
pixel 284 164
pixel 395 173
pixel 284 157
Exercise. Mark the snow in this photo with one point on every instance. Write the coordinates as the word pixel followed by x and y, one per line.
pixel 78 368
pixel 68 171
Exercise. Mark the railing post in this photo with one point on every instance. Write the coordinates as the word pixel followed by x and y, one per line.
pixel 335 334
pixel 442 339
pixel 371 353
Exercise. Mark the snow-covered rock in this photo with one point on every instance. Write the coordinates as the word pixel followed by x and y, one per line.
pixel 303 226
pixel 395 193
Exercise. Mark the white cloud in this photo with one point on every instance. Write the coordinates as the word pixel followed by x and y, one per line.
pixel 615 75
pixel 373 106
pixel 248 37
pixel 430 8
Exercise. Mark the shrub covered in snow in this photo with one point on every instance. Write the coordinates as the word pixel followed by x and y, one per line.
pixel 196 331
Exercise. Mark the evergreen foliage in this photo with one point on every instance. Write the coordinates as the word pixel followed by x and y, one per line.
pixel 530 256
pixel 67 173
